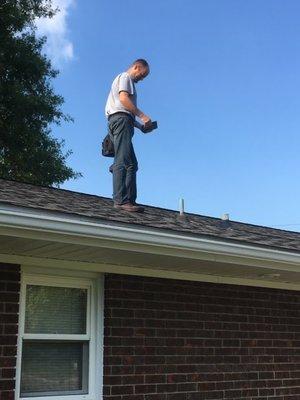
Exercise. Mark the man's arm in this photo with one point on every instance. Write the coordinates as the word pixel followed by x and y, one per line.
pixel 128 104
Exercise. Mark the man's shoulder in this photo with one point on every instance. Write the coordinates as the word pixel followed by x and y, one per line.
pixel 124 76
pixel 126 83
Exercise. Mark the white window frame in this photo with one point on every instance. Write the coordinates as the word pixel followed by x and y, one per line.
pixel 94 327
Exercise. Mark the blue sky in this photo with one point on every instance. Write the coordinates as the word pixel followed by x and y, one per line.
pixel 224 87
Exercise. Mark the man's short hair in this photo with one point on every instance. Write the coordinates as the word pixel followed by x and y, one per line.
pixel 141 61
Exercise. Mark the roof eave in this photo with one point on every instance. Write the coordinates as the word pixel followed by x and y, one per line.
pixel 36 224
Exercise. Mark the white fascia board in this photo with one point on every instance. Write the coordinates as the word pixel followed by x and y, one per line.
pixel 22 222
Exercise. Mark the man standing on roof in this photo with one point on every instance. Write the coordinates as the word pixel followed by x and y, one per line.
pixel 121 111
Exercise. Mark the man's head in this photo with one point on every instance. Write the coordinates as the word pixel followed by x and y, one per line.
pixel 139 69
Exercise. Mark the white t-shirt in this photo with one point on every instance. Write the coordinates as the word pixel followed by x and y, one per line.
pixel 122 83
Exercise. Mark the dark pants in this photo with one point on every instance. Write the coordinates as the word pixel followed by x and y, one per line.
pixel 121 129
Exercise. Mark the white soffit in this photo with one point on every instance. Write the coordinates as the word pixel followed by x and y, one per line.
pixel 73 230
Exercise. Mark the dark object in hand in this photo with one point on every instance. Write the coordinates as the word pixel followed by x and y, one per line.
pixel 150 127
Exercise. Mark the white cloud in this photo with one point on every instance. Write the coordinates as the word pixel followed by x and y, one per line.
pixel 58 47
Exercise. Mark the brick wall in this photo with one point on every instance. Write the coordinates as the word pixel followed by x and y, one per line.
pixel 177 340
pixel 9 308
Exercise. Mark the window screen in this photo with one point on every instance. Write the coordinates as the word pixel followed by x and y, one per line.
pixel 53 368
pixel 51 364
pixel 56 310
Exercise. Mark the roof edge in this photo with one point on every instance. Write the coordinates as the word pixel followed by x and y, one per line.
pixel 26 223
pixel 192 214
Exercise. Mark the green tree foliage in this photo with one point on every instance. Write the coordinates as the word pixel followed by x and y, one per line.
pixel 28 104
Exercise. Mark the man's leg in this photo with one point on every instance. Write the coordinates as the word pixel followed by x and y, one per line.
pixel 122 129
pixel 131 178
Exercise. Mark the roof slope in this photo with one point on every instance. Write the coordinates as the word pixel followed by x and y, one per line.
pixel 68 202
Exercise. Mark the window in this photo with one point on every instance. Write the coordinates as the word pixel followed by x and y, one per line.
pixel 57 338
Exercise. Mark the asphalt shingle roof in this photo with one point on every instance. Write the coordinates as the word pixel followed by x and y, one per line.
pixel 101 208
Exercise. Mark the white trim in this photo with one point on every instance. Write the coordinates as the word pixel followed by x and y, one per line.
pixel 21 323
pixel 30 224
pixel 41 266
pixel 99 329
pixel 35 336
pixel 62 281
pixel 94 326
pixel 51 267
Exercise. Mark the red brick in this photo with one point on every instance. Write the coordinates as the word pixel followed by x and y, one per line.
pixel 112 380
pixel 9 308
pixel 133 397
pixel 145 389
pixel 197 341
pixel 9 351
pixel 124 350
pixel 122 370
pixel 156 397
pixel 7 362
pixel 7 395
pixel 121 390
pixel 8 340
pixel 9 318
pixel 155 378
pixel 13 287
pixel 8 373
pixel 186 387
pixel 132 379
pixel 177 396
pixel 11 329
pixel 7 384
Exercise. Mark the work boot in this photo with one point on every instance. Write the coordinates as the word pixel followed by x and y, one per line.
pixel 129 207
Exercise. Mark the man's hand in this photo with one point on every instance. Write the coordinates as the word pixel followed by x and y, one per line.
pixel 147 120
pixel 149 128
pixel 146 130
